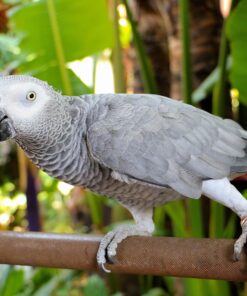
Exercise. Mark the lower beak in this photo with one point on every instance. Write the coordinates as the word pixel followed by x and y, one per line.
pixel 7 130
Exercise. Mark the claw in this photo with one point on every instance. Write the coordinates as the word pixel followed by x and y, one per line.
pixel 102 266
pixel 240 242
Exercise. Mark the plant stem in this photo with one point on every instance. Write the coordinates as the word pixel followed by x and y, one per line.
pixel 146 68
pixel 95 60
pixel 117 53
pixel 95 206
pixel 216 226
pixel 59 47
pixel 219 89
pixel 195 218
pixel 186 60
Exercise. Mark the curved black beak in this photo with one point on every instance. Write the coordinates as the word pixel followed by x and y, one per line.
pixel 6 128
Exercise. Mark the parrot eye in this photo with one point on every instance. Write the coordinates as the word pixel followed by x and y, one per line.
pixel 31 96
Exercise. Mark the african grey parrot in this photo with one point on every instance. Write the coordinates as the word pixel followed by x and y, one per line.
pixel 142 150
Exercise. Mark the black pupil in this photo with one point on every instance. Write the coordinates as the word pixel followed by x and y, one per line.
pixel 31 95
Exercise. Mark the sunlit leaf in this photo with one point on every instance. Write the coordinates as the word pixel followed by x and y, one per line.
pixel 55 32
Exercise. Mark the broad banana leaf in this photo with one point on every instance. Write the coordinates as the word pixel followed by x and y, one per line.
pixel 55 32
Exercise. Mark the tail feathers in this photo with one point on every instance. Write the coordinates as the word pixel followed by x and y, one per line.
pixel 235 170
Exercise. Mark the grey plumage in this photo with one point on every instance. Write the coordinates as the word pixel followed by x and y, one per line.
pixel 143 150
pixel 158 141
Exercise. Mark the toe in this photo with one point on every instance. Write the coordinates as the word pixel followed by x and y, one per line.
pixel 111 254
pixel 238 246
pixel 102 251
pixel 109 243
pixel 237 251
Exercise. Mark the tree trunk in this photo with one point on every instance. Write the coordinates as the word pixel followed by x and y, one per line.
pixel 3 17
pixel 205 28
pixel 151 24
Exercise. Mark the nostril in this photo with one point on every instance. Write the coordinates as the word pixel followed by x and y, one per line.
pixel 4 117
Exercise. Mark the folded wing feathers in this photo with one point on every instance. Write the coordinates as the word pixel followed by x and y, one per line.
pixel 176 146
pixel 212 148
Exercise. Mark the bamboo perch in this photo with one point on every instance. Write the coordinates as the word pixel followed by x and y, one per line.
pixel 199 258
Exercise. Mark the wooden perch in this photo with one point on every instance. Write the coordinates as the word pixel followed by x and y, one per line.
pixel 198 258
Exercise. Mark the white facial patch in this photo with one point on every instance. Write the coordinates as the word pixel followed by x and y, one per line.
pixel 15 99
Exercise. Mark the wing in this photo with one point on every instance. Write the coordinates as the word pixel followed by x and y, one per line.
pixel 162 142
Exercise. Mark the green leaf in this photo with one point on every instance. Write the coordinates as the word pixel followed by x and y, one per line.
pixel 175 211
pixel 237 34
pixel 95 206
pixel 230 228
pixel 14 282
pixel 159 220
pixel 206 87
pixel 155 292
pixel 4 272
pixel 55 32
pixel 195 217
pixel 53 283
pixel 95 287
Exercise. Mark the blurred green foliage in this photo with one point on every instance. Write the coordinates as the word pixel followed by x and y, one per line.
pixel 237 33
pixel 26 281
pixel 9 49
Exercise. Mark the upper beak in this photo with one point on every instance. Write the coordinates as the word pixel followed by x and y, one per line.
pixel 7 130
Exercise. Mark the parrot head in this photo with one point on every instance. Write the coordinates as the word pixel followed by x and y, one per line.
pixel 26 104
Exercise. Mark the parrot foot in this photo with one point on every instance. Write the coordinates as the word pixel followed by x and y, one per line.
pixel 108 245
pixel 240 242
